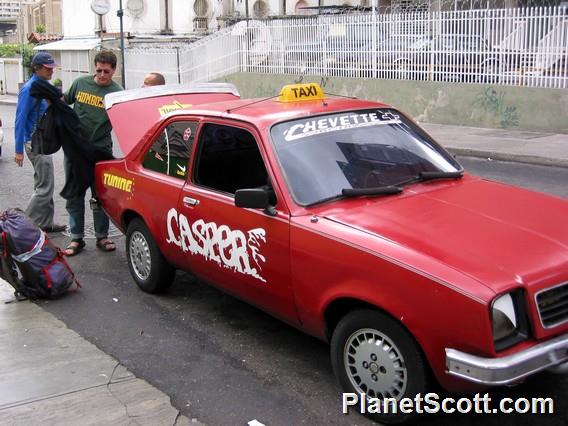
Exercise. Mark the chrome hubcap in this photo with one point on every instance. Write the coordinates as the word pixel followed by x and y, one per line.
pixel 374 364
pixel 140 255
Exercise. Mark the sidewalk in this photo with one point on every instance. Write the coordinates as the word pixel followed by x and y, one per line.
pixel 547 149
pixel 52 376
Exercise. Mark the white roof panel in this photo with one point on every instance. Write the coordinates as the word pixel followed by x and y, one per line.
pixel 71 44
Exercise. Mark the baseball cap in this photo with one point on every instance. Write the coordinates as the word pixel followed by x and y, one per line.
pixel 44 59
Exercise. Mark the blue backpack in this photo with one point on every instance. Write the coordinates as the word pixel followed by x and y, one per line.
pixel 24 247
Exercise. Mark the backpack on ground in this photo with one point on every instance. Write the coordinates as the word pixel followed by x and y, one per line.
pixel 25 248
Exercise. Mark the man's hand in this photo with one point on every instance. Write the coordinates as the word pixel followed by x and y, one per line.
pixel 19 159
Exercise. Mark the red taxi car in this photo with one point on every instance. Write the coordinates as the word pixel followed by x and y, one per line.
pixel 345 219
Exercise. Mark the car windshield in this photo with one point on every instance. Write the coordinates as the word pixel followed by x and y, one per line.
pixel 327 157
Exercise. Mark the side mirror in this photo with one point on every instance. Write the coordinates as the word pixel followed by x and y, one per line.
pixel 256 198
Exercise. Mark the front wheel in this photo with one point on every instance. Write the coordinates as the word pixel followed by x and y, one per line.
pixel 147 265
pixel 374 355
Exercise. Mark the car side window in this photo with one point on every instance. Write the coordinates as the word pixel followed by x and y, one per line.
pixel 229 159
pixel 169 154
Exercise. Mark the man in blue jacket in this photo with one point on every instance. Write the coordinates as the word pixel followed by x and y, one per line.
pixel 40 207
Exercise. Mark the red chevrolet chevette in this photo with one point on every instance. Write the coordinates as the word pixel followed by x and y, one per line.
pixel 345 219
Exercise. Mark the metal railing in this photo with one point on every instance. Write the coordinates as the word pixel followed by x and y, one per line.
pixel 521 47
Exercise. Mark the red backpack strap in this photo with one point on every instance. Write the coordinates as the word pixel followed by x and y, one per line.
pixel 61 257
pixel 5 251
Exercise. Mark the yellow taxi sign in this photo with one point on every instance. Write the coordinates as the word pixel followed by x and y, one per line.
pixel 301 92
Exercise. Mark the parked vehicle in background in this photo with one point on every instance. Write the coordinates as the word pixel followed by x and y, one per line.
pixel 349 47
pixel 445 57
pixel 342 45
pixel 304 57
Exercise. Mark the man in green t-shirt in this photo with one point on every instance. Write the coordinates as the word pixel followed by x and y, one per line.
pixel 87 96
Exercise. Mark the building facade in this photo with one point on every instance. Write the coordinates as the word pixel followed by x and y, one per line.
pixel 43 15
pixel 9 10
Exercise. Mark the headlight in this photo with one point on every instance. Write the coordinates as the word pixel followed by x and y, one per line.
pixel 510 324
pixel 504 317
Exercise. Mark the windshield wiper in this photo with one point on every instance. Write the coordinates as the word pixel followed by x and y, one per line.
pixel 440 175
pixel 379 190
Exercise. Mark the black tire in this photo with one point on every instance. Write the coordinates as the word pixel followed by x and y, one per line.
pixel 398 372
pixel 148 267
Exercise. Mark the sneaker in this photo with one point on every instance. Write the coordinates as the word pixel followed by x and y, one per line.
pixel 54 228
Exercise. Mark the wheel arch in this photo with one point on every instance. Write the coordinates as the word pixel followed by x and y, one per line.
pixel 339 308
pixel 128 216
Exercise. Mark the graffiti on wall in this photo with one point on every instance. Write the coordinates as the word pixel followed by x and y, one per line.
pixel 493 102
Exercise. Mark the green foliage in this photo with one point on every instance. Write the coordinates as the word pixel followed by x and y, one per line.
pixel 18 50
pixel 40 28
pixel 57 82
pixel 9 50
pixel 28 54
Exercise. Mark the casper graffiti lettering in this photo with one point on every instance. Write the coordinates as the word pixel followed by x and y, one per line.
pixel 229 248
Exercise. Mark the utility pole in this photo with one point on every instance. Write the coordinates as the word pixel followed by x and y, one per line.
pixel 120 14
pixel 20 36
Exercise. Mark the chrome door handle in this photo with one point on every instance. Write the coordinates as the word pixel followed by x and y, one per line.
pixel 190 202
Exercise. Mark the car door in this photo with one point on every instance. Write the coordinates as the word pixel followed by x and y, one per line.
pixel 162 171
pixel 243 251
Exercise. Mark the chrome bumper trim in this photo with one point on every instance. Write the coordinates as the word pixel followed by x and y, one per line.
pixel 510 368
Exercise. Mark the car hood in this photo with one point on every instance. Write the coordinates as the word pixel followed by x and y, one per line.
pixel 497 234
pixel 133 112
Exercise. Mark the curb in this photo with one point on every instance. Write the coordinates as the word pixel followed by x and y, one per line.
pixel 514 158
pixel 8 102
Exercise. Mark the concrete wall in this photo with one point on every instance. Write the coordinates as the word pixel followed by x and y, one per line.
pixel 10 75
pixel 476 105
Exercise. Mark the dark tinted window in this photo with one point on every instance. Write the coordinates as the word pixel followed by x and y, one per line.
pixel 323 155
pixel 169 154
pixel 229 159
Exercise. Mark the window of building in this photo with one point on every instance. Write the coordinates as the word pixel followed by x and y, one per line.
pixel 135 8
pixel 201 8
pixel 260 9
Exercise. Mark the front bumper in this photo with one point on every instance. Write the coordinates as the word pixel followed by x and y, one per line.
pixel 509 369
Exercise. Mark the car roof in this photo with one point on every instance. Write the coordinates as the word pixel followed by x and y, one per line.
pixel 264 112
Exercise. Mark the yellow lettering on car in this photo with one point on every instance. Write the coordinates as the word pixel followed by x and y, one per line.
pixel 301 92
pixel 118 182
pixel 174 106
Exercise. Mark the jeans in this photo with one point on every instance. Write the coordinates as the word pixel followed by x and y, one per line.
pixel 76 209
pixel 40 207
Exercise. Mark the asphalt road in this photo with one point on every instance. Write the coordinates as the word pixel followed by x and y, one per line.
pixel 222 361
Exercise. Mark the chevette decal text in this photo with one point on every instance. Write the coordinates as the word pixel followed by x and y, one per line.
pixel 336 123
pixel 117 182
pixel 228 247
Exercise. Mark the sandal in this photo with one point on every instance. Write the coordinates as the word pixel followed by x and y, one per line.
pixel 75 247
pixel 105 244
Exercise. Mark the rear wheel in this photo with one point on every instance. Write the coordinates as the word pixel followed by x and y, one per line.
pixel 147 265
pixel 374 355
